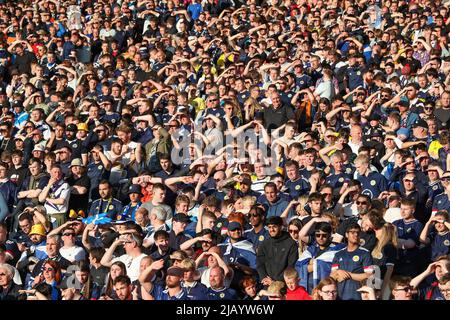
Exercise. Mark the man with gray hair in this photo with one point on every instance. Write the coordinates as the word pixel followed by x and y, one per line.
pixel 8 289
pixel 157 216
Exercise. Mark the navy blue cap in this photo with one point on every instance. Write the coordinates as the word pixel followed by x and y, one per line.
pixel 134 188
pixel 234 225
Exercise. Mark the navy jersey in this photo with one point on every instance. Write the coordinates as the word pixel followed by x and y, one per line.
pixel 297 188
pixel 440 244
pixel 373 184
pixel 96 172
pixel 337 180
pixel 222 294
pixel 256 238
pixel 441 202
pixel 197 291
pixel 112 207
pixel 159 293
pixel 357 261
pixel 12 251
pixel 409 230
pixel 305 174
pixel 434 189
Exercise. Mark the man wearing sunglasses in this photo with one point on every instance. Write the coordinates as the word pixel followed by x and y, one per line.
pixel 351 265
pixel 315 262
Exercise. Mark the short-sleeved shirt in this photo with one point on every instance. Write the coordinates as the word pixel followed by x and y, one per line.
pixel 409 230
pixel 132 264
pixel 222 294
pixel 357 261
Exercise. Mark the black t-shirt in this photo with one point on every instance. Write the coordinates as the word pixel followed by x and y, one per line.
pixel 79 201
pixel 99 275
pixel 388 257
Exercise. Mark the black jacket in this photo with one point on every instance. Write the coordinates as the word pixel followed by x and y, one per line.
pixel 12 293
pixel 275 255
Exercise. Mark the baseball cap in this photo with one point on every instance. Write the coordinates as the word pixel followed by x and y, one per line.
pixel 403 102
pixel 38 229
pixel 420 123
pixel 72 127
pixel 234 225
pixel 175 271
pixel 374 117
pixel 134 188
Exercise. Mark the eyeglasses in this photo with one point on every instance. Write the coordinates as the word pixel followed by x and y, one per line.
pixel 445 291
pixel 321 235
pixel 294 231
pixel 406 289
pixel 333 292
pixel 48 269
pixel 361 203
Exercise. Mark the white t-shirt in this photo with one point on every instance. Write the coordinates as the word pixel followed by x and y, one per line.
pixel 132 264
pixel 73 254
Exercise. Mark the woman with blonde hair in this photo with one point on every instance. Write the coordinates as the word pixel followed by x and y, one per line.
pixel 326 290
pixel 251 106
pixel 384 256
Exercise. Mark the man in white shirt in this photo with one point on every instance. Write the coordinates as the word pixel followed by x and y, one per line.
pixel 55 197
pixel 132 258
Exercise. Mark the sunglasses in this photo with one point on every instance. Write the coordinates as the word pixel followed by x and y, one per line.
pixel 321 235
pixel 255 215
pixel 212 100
pixel 48 269
pixel 361 202
pixel 294 231
pixel 69 234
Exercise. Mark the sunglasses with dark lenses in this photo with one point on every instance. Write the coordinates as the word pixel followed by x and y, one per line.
pixel 48 269
pixel 255 215
pixel 321 235
pixel 294 231
pixel 68 234
pixel 361 203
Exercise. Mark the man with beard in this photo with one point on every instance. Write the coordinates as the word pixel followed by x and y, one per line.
pixel 315 262
pixel 259 232
pixel 351 265
pixel 217 290
pixel 276 253
pixel 123 288
pixel 173 290
pixel 238 252
pixel 368 239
